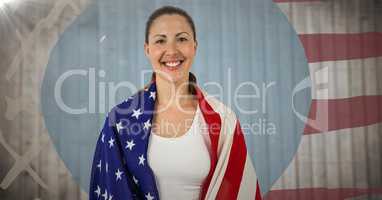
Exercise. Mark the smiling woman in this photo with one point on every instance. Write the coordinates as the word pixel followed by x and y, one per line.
pixel 179 143
pixel 171 45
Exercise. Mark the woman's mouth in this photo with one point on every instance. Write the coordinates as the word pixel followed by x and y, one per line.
pixel 172 65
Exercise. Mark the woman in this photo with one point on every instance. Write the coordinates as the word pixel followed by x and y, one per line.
pixel 169 141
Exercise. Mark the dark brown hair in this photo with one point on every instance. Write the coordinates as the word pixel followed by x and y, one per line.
pixel 168 10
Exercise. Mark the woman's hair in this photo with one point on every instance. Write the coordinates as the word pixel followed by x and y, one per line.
pixel 168 10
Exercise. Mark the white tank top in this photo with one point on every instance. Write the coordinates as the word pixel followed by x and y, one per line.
pixel 180 164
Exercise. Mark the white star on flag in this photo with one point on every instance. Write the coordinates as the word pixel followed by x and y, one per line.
pixel 107 167
pixel 147 124
pixel 99 165
pixel 130 145
pixel 98 191
pixel 152 95
pixel 103 138
pixel 119 127
pixel 110 197
pixel 137 113
pixel 141 160
pixel 104 195
pixel 135 180
pixel 111 142
pixel 118 174
pixel 149 197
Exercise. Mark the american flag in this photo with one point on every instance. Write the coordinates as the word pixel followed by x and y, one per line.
pixel 338 157
pixel 120 169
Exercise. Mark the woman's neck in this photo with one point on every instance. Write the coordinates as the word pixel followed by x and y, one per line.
pixel 173 94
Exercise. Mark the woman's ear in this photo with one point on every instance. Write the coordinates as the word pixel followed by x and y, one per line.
pixel 196 45
pixel 146 48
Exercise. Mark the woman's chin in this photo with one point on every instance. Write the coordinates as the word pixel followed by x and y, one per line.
pixel 173 76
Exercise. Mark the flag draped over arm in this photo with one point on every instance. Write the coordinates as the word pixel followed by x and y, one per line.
pixel 120 169
pixel 232 175
pixel 109 177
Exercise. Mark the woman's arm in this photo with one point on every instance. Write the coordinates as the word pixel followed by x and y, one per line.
pixel 110 178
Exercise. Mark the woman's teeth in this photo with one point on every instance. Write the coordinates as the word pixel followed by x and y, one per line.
pixel 172 64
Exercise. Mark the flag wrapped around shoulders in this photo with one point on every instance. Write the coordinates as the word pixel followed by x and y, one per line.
pixel 120 169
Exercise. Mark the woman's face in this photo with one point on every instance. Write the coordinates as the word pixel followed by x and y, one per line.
pixel 171 47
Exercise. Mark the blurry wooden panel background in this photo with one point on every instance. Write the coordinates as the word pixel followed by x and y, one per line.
pixel 30 167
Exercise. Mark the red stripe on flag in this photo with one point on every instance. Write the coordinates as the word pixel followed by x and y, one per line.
pixel 230 186
pixel 288 1
pixel 322 193
pixel 214 125
pixel 334 114
pixel 331 47
pixel 258 192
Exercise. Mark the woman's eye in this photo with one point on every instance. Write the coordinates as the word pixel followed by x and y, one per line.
pixel 182 39
pixel 159 42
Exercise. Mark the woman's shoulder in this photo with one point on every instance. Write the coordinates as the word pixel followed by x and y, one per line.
pixel 219 107
pixel 127 106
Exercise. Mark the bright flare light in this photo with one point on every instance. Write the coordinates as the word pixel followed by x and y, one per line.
pixel 4 2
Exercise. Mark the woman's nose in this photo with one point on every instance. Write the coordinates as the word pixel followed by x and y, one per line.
pixel 171 48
